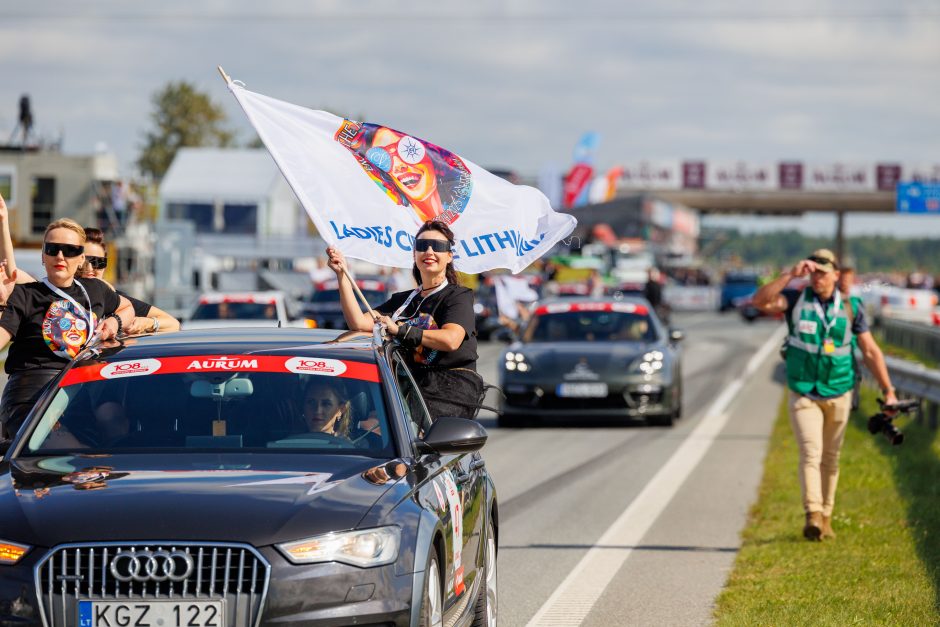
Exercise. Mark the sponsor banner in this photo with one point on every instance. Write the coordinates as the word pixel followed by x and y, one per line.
pixel 221 363
pixel 887 176
pixel 921 172
pixel 739 175
pixel 790 175
pixel 839 177
pixel 651 175
pixel 557 308
pixel 576 181
pixel 368 187
pixel 693 174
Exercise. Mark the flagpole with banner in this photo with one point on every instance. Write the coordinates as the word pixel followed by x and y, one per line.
pixel 358 292
pixel 369 187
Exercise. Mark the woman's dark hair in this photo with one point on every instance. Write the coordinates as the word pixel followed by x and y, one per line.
pixel 436 225
pixel 94 236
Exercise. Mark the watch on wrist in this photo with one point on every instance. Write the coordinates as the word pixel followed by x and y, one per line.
pixel 156 324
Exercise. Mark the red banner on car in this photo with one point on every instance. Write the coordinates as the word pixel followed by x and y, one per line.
pixel 557 308
pixel 319 366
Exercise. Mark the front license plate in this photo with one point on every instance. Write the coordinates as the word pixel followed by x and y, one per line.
pixel 582 390
pixel 150 614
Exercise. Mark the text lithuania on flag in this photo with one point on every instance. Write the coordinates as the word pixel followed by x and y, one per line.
pixel 368 187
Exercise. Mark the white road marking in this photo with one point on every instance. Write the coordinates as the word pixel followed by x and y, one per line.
pixel 571 602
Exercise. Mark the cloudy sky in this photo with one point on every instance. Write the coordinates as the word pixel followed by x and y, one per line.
pixel 505 83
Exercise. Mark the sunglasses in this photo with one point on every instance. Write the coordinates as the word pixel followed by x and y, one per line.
pixel 822 260
pixel 437 245
pixel 408 149
pixel 98 263
pixel 68 250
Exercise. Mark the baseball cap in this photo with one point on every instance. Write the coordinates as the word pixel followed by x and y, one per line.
pixel 825 259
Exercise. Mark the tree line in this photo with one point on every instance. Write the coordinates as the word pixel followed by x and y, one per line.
pixel 870 253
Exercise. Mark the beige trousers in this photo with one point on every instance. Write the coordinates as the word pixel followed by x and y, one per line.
pixel 819 427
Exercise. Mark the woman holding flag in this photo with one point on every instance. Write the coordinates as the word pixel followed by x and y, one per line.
pixel 435 320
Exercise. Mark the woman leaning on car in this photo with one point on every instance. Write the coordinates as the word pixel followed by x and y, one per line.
pixel 435 321
pixel 50 321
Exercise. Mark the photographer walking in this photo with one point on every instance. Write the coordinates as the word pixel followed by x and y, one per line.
pixel 823 327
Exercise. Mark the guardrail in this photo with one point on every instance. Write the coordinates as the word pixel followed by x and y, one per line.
pixel 920 338
pixel 913 380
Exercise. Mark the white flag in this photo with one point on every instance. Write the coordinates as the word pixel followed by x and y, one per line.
pixel 368 188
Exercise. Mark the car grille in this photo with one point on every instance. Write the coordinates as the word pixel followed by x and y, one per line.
pixel 237 574
pixel 560 403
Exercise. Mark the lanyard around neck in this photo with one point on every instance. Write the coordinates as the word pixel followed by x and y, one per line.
pixel 397 315
pixel 826 322
pixel 86 313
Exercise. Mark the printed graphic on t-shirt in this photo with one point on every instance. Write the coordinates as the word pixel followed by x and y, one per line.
pixel 422 355
pixel 65 328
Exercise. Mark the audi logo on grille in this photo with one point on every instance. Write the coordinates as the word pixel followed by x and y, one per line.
pixel 151 565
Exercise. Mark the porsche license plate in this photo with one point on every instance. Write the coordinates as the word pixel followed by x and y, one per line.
pixel 582 390
pixel 150 613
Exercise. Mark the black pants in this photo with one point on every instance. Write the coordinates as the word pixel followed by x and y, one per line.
pixel 454 392
pixel 22 391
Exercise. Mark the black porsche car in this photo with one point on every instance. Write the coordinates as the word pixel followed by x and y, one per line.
pixel 592 358
pixel 183 480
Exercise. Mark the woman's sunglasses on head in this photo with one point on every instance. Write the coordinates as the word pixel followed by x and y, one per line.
pixel 68 250
pixel 437 245
pixel 97 263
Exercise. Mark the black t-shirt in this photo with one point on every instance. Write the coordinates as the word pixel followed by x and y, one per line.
pixel 453 304
pixel 141 309
pixel 47 330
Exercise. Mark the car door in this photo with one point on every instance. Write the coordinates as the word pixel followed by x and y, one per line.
pixel 457 485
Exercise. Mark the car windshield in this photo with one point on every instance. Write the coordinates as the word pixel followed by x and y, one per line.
pixel 182 404
pixel 591 323
pixel 375 297
pixel 235 311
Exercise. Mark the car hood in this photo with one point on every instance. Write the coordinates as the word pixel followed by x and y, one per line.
pixel 189 325
pixel 259 499
pixel 598 357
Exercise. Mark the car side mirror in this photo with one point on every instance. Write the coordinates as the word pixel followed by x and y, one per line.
pixel 453 436
pixel 676 336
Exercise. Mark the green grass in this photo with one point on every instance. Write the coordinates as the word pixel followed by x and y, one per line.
pixel 884 566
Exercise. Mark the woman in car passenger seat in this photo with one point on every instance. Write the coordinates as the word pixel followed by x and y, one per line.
pixel 435 322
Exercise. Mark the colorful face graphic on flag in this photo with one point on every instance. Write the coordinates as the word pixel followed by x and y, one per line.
pixel 65 329
pixel 433 181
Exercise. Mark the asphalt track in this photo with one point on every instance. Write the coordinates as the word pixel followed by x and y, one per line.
pixel 562 489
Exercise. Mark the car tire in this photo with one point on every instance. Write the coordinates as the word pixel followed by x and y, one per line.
pixel 485 609
pixel 662 420
pixel 432 600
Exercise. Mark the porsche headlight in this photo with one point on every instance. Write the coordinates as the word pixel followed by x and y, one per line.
pixel 650 363
pixel 12 552
pixel 368 547
pixel 516 361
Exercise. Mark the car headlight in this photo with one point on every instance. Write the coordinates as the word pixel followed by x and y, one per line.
pixel 368 547
pixel 650 363
pixel 516 361
pixel 11 552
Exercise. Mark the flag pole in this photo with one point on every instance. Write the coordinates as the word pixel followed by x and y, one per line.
pixel 225 76
pixel 369 310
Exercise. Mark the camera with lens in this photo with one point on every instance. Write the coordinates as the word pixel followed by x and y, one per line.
pixel 883 423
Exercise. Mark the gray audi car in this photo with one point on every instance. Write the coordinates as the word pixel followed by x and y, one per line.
pixel 595 358
pixel 240 478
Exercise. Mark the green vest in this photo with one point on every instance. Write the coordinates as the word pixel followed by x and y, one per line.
pixel 810 367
